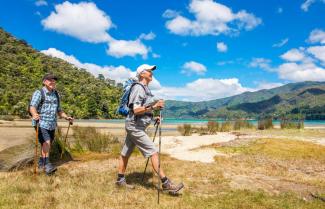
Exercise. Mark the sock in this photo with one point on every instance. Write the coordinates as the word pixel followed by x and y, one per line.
pixel 164 180
pixel 120 176
pixel 46 160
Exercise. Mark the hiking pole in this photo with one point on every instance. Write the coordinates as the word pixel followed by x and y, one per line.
pixel 66 136
pixel 154 137
pixel 159 181
pixel 36 147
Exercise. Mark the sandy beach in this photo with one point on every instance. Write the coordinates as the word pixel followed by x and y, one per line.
pixel 190 148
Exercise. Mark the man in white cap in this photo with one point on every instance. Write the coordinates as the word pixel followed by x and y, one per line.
pixel 141 104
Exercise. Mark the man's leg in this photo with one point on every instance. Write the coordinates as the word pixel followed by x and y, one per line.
pixel 123 162
pixel 47 136
pixel 155 163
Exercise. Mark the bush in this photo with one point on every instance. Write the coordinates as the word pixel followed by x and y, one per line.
pixel 89 139
pixel 185 129
pixel 7 117
pixel 239 124
pixel 212 127
pixel 266 123
pixel 291 124
pixel 226 126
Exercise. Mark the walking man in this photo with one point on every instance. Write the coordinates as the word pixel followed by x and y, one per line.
pixel 141 104
pixel 44 108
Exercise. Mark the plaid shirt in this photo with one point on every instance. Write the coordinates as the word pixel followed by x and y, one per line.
pixel 48 111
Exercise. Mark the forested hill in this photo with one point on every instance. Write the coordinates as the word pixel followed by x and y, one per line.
pixel 303 98
pixel 21 72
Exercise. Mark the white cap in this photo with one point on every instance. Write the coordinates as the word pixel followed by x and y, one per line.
pixel 144 67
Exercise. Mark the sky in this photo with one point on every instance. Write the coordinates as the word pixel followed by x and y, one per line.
pixel 203 49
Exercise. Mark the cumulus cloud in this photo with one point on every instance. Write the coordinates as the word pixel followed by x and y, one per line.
pixel 301 72
pixel 317 36
pixel 203 89
pixel 318 52
pixel 210 18
pixel 222 47
pixel 305 6
pixel 117 73
pixel 193 67
pixel 262 63
pixel 86 22
pixel 121 48
pixel 293 55
pixel 268 85
pixel 281 43
pixel 81 20
pixel 149 36
pixel 40 3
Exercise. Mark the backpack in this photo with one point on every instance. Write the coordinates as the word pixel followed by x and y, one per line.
pixel 42 101
pixel 123 108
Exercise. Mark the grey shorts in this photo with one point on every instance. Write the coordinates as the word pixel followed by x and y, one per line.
pixel 138 137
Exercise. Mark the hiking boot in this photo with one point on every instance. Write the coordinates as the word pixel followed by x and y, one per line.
pixel 172 188
pixel 50 169
pixel 122 184
pixel 40 164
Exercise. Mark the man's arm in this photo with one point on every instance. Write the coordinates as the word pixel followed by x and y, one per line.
pixel 65 116
pixel 143 109
pixel 36 99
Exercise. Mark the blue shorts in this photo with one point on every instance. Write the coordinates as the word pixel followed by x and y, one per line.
pixel 45 135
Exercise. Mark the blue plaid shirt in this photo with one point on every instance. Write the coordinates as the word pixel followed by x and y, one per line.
pixel 48 111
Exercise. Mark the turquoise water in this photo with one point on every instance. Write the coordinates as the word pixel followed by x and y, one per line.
pixel 199 121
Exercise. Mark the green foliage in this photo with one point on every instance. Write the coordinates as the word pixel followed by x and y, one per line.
pixel 90 139
pixel 240 124
pixel 7 117
pixel 212 127
pixel 21 71
pixel 265 123
pixel 185 129
pixel 292 122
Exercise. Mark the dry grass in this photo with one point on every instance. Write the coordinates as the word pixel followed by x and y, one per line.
pixel 267 173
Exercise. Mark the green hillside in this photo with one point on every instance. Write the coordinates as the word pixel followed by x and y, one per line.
pixel 307 98
pixel 21 71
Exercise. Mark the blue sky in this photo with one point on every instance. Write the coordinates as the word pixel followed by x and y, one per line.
pixel 204 49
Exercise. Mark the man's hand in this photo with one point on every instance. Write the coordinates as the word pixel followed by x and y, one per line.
pixel 159 105
pixel 35 116
pixel 70 119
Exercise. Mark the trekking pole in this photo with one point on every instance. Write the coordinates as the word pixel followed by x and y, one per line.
pixel 66 136
pixel 159 181
pixel 154 137
pixel 36 147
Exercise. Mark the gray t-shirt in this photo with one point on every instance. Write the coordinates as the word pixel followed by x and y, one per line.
pixel 140 96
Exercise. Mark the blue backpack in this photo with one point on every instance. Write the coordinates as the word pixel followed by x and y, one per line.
pixel 123 108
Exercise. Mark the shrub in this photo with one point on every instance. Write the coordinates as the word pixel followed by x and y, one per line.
pixel 291 124
pixel 88 138
pixel 226 126
pixel 239 124
pixel 212 127
pixel 265 123
pixel 7 117
pixel 185 129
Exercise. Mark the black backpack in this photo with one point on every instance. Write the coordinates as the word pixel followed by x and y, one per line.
pixel 42 101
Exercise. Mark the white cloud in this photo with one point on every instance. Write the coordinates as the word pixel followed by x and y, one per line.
pixel 211 18
pixel 222 47
pixel 317 36
pixel 203 89
pixel 193 67
pixel 117 73
pixel 281 43
pixel 305 6
pixel 170 13
pixel 301 72
pixel 293 55
pixel 149 36
pixel 267 85
pixel 262 63
pixel 318 52
pixel 41 3
pixel 121 48
pixel 81 20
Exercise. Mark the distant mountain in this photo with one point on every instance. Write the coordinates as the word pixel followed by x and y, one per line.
pixel 307 98
pixel 21 72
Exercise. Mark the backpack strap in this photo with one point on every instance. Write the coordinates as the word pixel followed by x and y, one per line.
pixel 43 99
pixel 133 84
